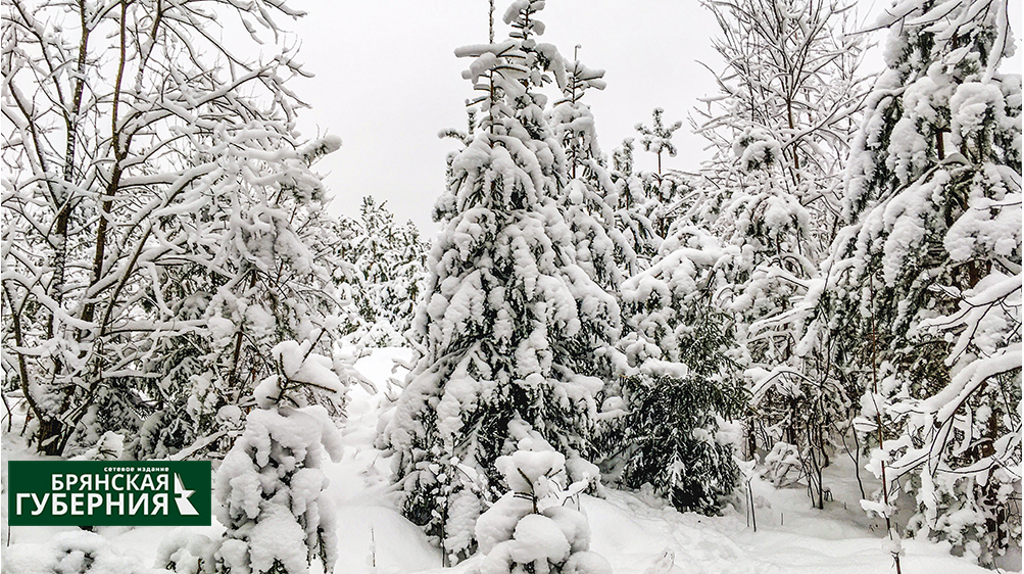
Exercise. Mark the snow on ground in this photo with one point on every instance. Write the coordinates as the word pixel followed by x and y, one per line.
pixel 637 532
pixel 373 531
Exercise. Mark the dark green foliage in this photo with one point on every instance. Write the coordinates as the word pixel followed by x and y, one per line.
pixel 671 427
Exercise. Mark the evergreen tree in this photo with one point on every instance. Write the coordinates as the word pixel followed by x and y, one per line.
pixel 510 327
pixel 682 347
pixel 664 305
pixel 601 249
pixel 270 487
pixel 658 138
pixel 672 429
pixel 381 265
pixel 924 293
pixel 534 527
pixel 630 208
pixel 664 189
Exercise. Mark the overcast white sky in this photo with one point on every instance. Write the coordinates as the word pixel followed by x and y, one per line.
pixel 387 82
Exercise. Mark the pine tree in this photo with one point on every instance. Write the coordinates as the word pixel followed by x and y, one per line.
pixel 658 138
pixel 924 292
pixel 510 327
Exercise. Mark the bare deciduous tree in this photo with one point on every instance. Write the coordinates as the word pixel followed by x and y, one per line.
pixel 157 207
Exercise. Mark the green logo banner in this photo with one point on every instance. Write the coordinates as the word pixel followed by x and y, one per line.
pixel 108 493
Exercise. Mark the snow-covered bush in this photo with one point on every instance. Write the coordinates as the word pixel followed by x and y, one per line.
pixel 270 486
pixel 109 447
pixel 270 493
pixel 534 527
pixel 801 422
pixel 185 552
pixel 784 464
pixel 73 552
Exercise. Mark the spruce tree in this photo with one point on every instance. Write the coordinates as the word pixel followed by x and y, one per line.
pixel 682 349
pixel 631 207
pixel 379 266
pixel 536 526
pixel 671 430
pixel 601 249
pixel 924 293
pixel 270 487
pixel 510 327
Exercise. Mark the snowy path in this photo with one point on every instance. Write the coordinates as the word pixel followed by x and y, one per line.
pixel 633 534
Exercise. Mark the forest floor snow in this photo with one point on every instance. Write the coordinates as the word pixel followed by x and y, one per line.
pixel 637 532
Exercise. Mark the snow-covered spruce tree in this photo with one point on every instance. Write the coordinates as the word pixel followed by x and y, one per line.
pixel 672 428
pixel 779 126
pixel 683 348
pixel 664 304
pixel 924 293
pixel 270 487
pixel 380 267
pixel 631 207
pixel 601 249
pixel 534 527
pixel 155 210
pixel 509 327
pixel 664 189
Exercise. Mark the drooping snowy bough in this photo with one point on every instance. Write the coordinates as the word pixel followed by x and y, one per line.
pixel 924 289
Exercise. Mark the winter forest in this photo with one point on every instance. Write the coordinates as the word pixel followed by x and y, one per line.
pixel 802 356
